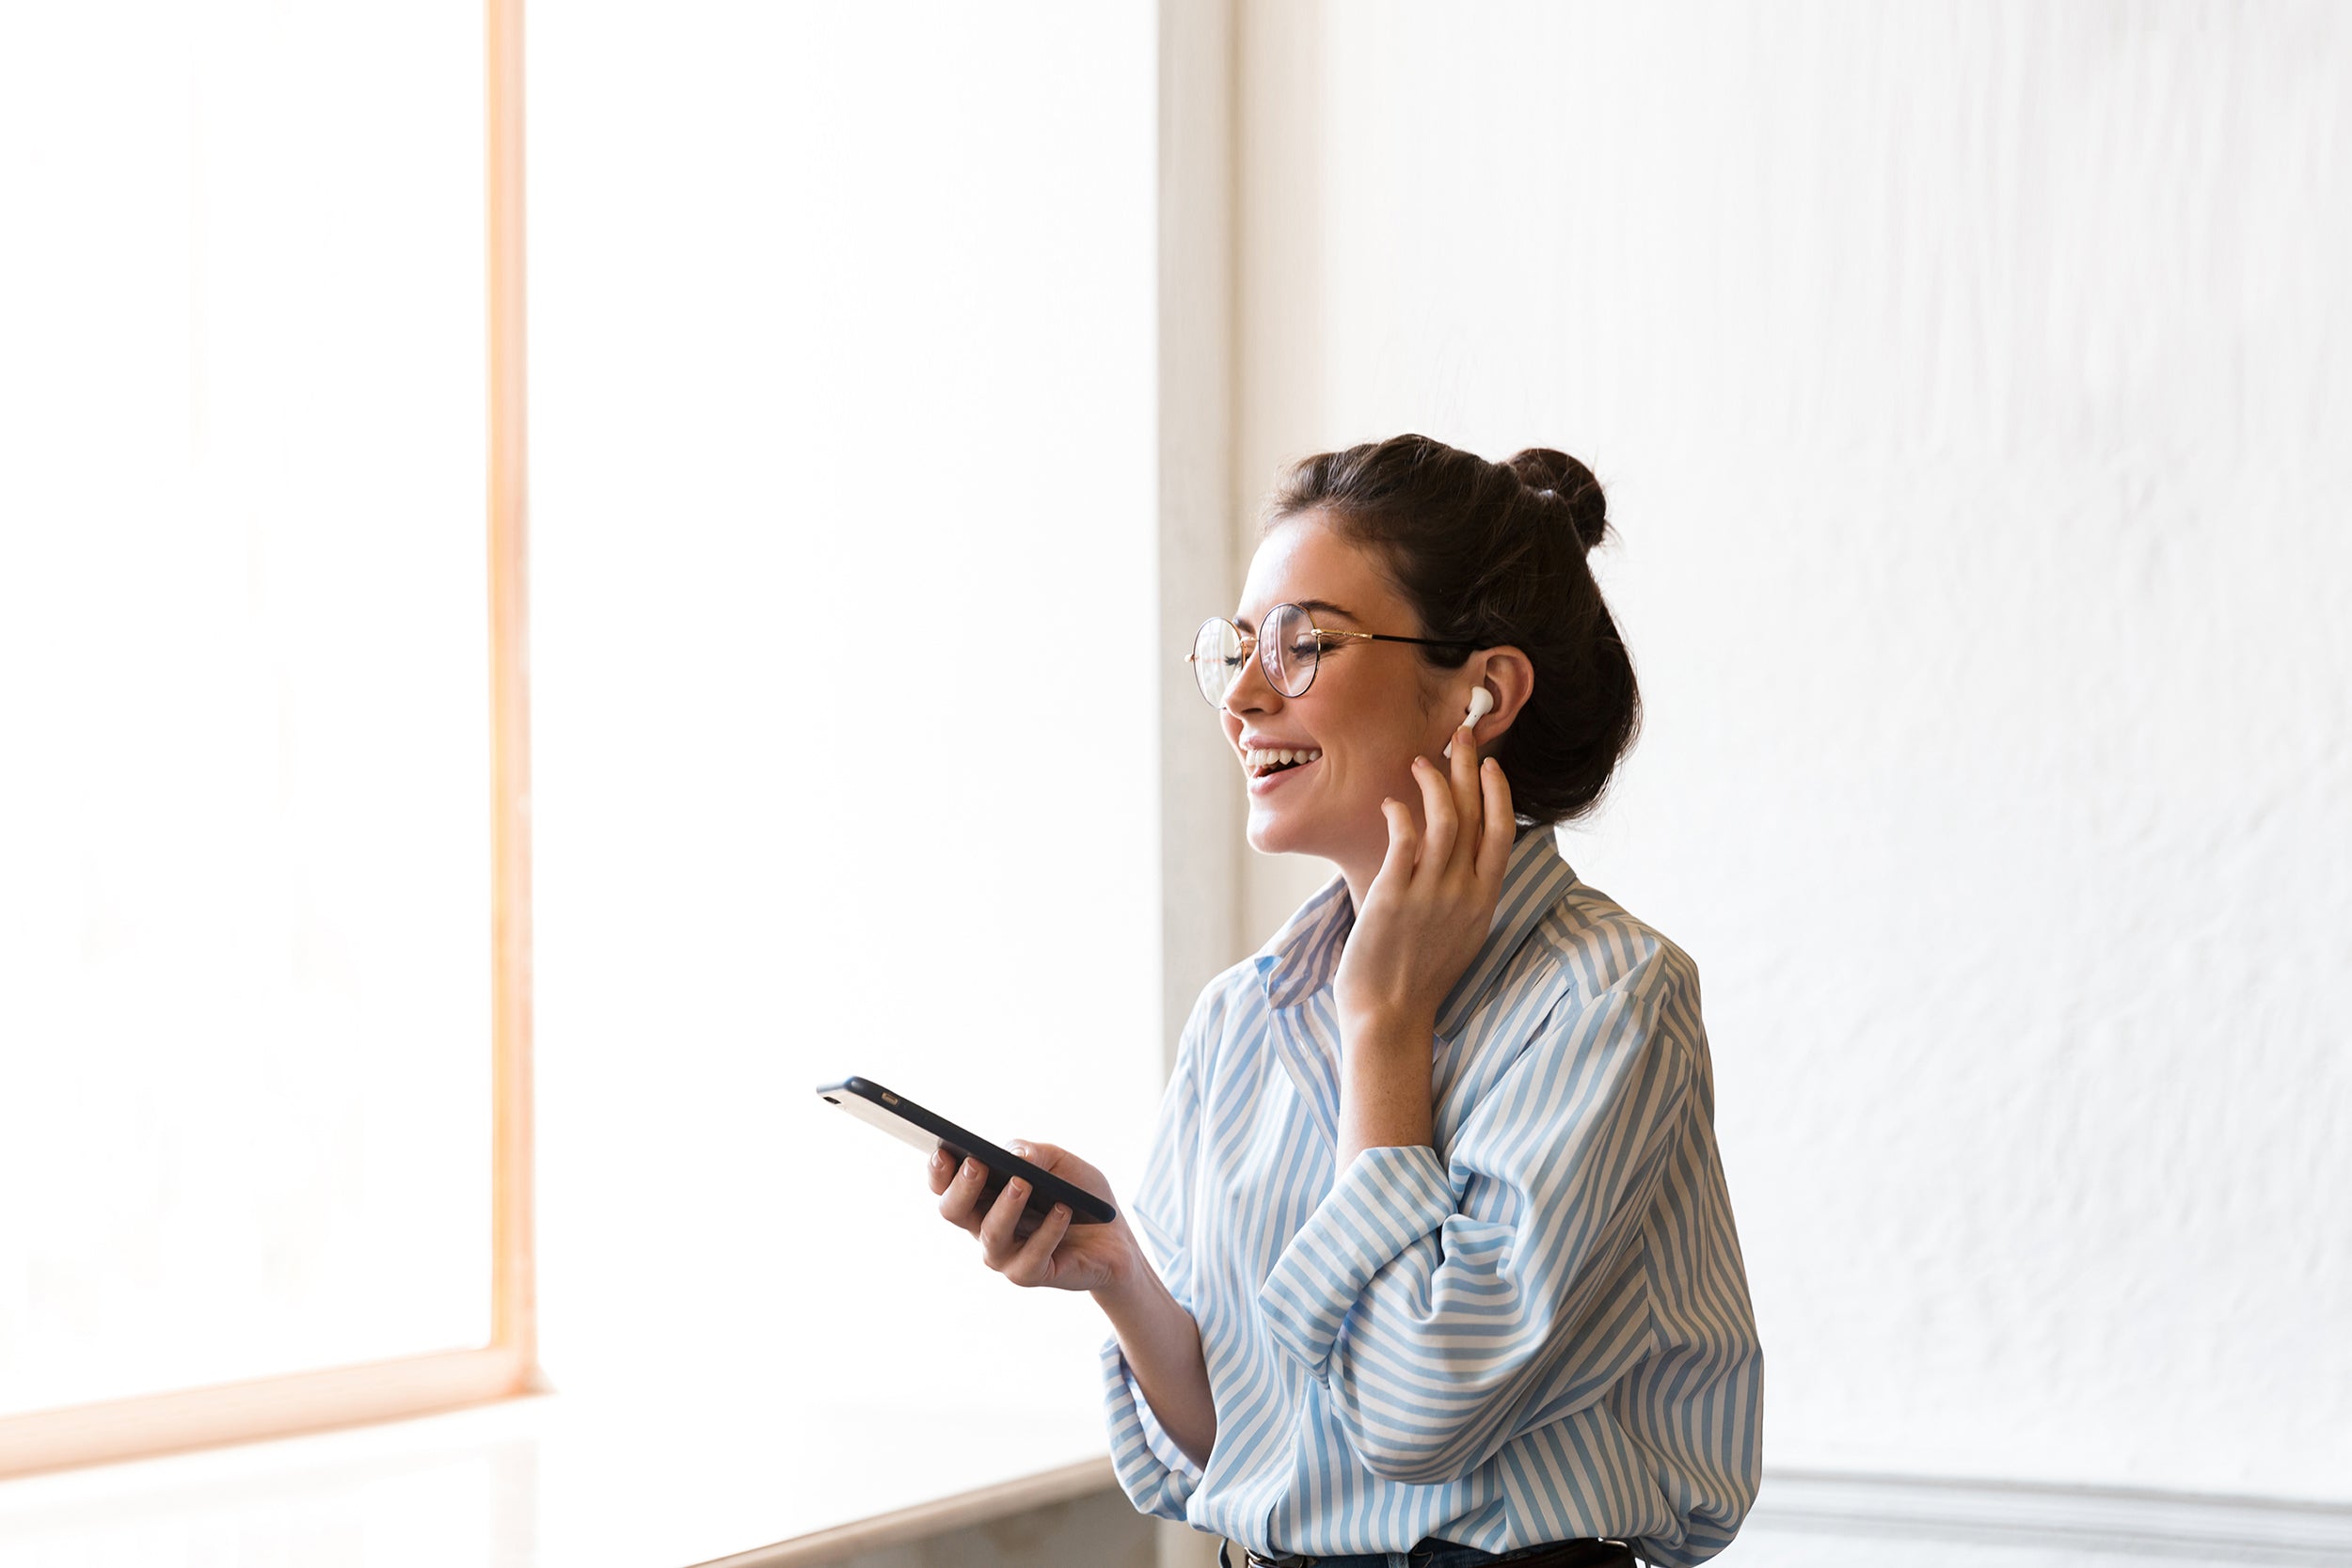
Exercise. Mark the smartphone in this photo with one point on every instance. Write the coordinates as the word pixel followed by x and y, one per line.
pixel 903 1119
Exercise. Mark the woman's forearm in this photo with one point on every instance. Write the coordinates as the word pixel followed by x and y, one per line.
pixel 1162 1347
pixel 1384 1083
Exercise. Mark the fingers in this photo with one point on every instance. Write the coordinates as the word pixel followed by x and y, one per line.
pixel 1033 1264
pixel 998 1231
pixel 1015 1241
pixel 1059 1161
pixel 1453 801
pixel 1463 780
pixel 1436 809
pixel 1404 843
pixel 1494 850
pixel 959 1200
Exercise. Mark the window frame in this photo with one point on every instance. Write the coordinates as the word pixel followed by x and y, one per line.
pixel 148 1424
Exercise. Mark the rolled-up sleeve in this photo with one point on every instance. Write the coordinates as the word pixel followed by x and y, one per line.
pixel 1427 1295
pixel 1155 1474
pixel 1152 1470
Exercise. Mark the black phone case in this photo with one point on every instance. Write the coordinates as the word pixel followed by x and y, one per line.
pixel 1045 1188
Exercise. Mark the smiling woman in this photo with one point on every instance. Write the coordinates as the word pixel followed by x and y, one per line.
pixel 1441 1257
pixel 1487 555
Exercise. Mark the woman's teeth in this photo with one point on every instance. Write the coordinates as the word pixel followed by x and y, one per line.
pixel 1260 763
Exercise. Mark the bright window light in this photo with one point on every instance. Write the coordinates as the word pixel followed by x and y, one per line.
pixel 244 906
pixel 845 662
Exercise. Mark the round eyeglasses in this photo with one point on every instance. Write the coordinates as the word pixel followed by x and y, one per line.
pixel 1291 649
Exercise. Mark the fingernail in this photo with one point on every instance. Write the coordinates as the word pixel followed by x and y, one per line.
pixel 1018 1188
pixel 971 1168
pixel 1061 1211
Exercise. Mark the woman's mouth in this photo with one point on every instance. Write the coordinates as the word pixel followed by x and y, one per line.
pixel 1269 767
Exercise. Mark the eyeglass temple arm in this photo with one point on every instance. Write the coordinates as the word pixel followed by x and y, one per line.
pixel 1250 640
pixel 1384 637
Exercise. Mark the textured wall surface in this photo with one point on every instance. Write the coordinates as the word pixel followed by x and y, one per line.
pixel 1971 385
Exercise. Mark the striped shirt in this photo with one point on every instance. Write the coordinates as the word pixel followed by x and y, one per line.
pixel 1537 1329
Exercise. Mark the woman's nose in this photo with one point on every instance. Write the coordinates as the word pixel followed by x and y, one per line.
pixel 1250 691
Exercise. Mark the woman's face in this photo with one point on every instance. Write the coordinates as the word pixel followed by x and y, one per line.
pixel 1372 708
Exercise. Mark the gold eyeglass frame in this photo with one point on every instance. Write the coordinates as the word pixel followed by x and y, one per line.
pixel 1325 637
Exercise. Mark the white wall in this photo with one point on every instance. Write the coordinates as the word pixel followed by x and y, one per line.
pixel 1969 384
pixel 844 588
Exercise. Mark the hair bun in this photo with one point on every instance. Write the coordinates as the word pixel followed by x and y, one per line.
pixel 1559 478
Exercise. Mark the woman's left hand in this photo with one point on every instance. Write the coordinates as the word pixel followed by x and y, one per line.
pixel 1428 909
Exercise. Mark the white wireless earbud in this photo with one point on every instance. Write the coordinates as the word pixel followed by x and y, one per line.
pixel 1482 703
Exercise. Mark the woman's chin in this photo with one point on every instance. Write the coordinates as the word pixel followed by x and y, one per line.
pixel 1287 833
pixel 1270 833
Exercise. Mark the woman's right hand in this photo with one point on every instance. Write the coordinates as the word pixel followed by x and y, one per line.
pixel 1050 1252
pixel 1159 1339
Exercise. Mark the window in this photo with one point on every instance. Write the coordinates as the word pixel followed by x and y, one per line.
pixel 263 909
pixel 847 676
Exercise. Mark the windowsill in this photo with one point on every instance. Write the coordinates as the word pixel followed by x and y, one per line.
pixel 568 1481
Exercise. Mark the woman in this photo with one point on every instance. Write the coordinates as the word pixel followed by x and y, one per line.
pixel 1447 1270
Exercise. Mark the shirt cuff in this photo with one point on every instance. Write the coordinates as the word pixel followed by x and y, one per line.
pixel 1156 1475
pixel 1383 1203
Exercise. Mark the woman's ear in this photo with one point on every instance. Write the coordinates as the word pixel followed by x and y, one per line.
pixel 1509 677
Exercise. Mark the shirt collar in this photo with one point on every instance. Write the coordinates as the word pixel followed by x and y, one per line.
pixel 1301 959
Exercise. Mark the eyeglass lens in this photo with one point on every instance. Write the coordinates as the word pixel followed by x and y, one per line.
pixel 1215 657
pixel 1287 646
pixel 1292 649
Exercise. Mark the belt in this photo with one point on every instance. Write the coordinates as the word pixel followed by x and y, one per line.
pixel 1591 1553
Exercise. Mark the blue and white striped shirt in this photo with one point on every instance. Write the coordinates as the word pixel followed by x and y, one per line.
pixel 1536 1330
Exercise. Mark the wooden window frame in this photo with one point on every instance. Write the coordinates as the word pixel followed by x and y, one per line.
pixel 508 1364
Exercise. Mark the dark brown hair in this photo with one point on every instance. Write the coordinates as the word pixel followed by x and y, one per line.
pixel 1489 553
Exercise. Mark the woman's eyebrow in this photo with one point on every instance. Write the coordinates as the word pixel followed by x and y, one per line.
pixel 1318 606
